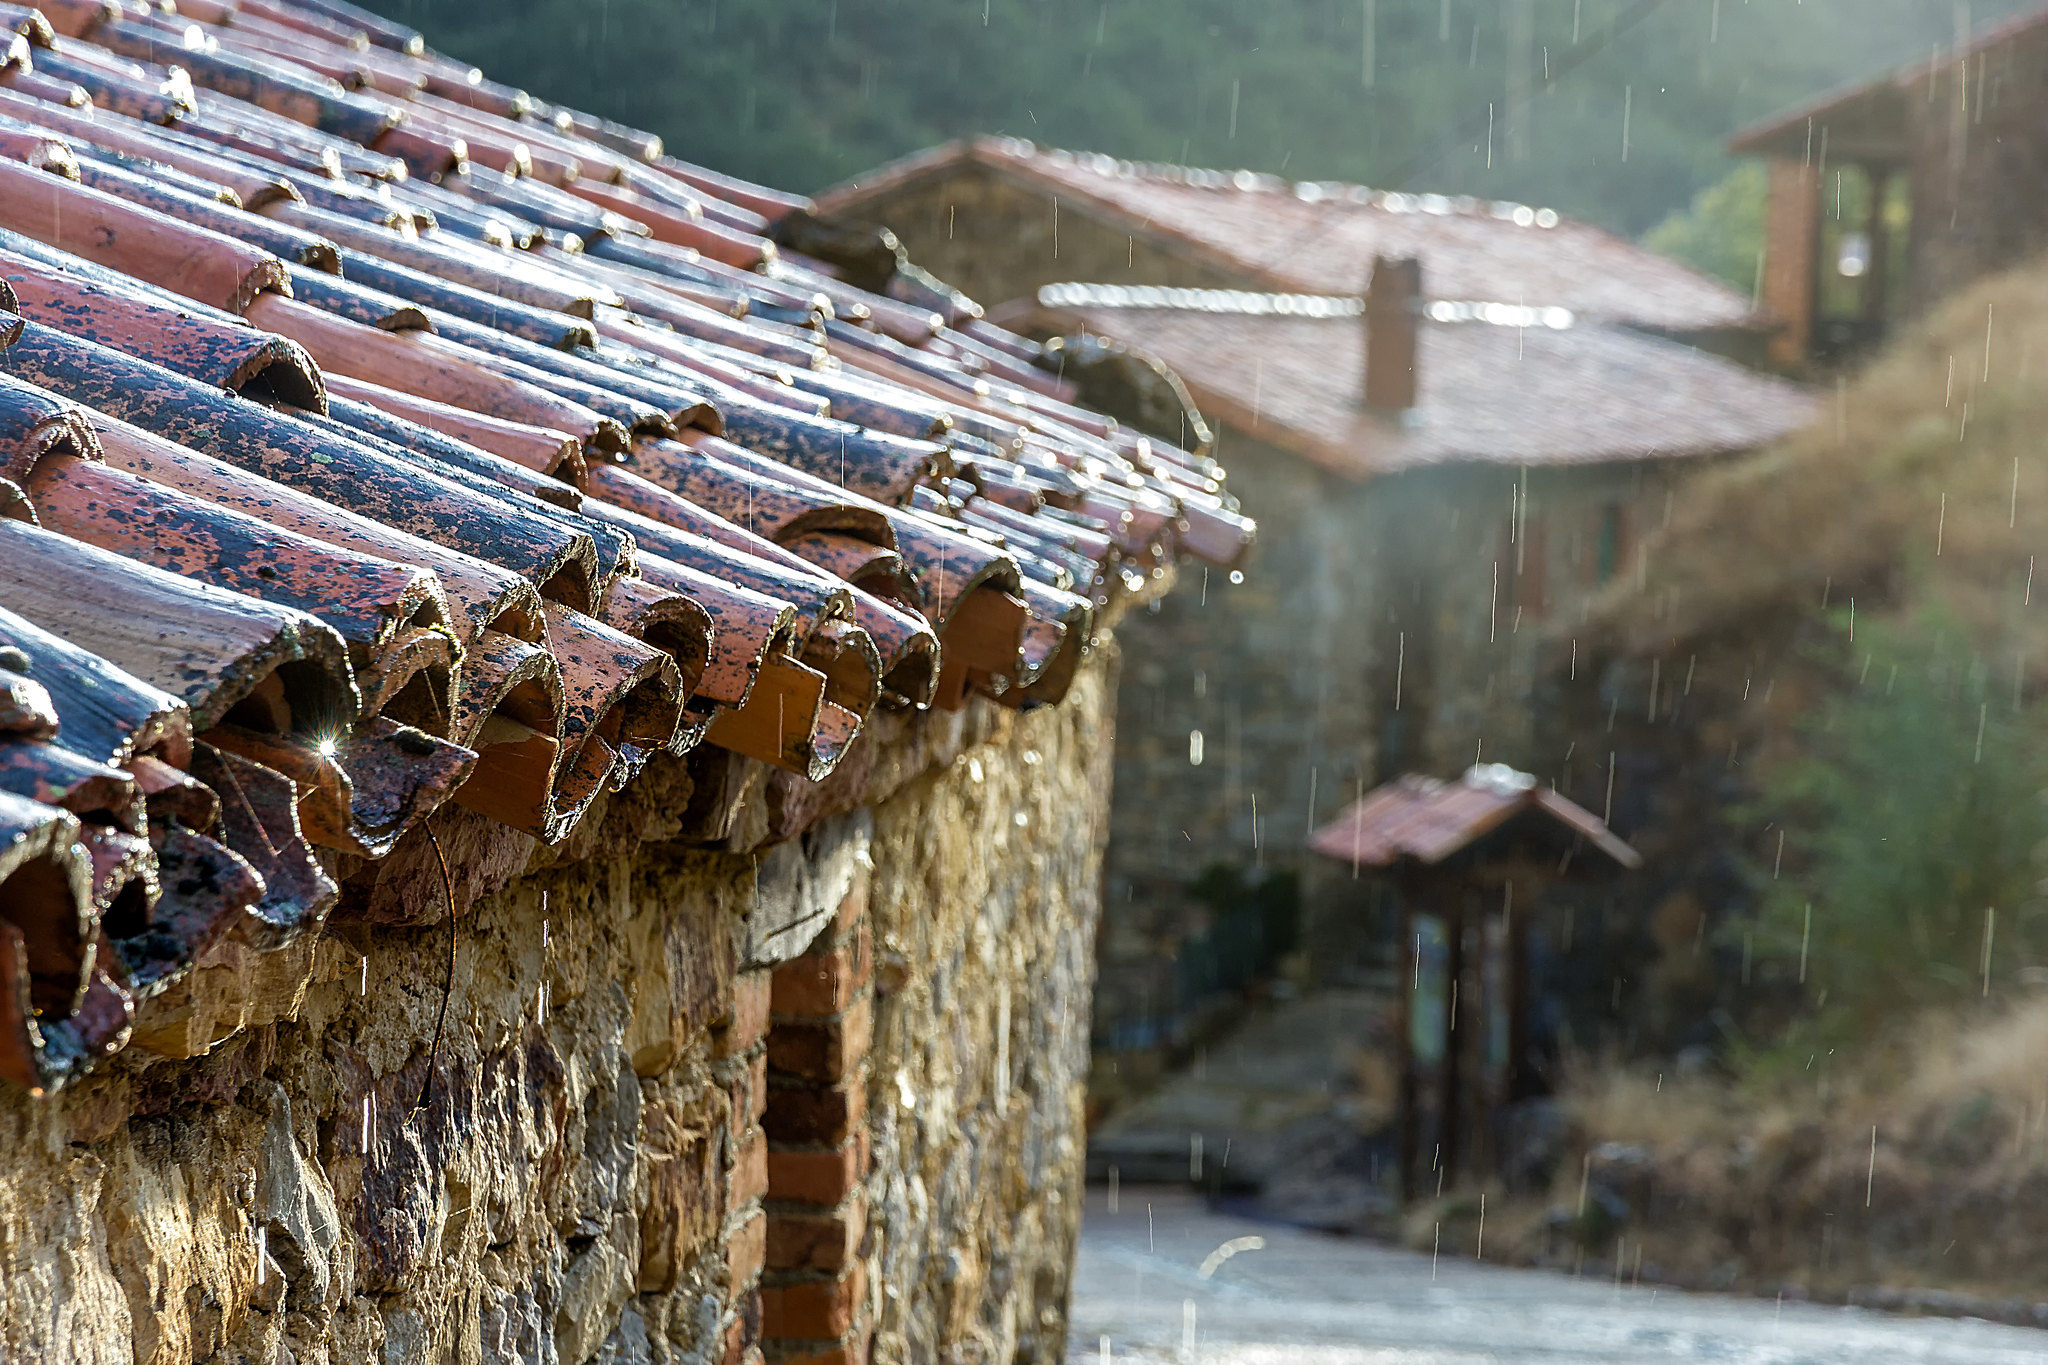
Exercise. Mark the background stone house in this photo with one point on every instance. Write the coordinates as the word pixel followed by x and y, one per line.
pixel 1895 193
pixel 1444 472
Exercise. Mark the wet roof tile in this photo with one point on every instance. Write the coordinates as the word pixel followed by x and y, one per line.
pixel 600 473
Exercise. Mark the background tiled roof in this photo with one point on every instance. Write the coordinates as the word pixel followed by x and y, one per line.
pixel 1322 238
pixel 1587 393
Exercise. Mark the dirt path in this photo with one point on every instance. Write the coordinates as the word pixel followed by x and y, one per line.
pixel 1308 1299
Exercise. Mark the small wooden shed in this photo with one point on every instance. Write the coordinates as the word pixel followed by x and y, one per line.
pixel 1469 859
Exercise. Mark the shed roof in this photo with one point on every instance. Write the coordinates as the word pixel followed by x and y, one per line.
pixel 1497 383
pixel 1322 237
pixel 1424 820
pixel 374 436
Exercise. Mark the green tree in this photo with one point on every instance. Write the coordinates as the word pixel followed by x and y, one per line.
pixel 1914 808
pixel 1721 232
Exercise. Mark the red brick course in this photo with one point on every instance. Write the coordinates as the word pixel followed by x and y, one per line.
pixel 823 983
pixel 817 1241
pixel 824 1177
pixel 813 1293
pixel 814 1310
pixel 822 1116
pixel 825 1050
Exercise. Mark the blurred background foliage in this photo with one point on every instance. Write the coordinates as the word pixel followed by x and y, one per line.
pixel 1454 98
pixel 1900 850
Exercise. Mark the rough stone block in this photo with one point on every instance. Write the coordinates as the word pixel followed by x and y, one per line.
pixel 813 1310
pixel 595 1286
pixel 746 1251
pixel 800 885
pixel 747 1181
pixel 685 963
pixel 748 1025
pixel 683 1206
pixel 823 1050
pixel 746 1090
pixel 817 1241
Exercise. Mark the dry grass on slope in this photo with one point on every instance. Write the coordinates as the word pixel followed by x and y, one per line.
pixel 1752 1183
pixel 1925 482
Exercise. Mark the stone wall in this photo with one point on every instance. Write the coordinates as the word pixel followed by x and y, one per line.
pixel 592 1114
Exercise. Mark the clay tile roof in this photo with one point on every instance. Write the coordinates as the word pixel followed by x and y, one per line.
pixel 1421 820
pixel 342 484
pixel 1322 237
pixel 1531 386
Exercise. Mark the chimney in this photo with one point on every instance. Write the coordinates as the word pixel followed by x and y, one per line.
pixel 1393 312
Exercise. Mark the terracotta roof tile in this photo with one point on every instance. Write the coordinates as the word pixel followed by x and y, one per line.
pixel 559 510
pixel 108 231
pixel 481 594
pixel 214 349
pixel 368 600
pixel 251 186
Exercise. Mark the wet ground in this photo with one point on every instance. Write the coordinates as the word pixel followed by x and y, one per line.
pixel 1309 1299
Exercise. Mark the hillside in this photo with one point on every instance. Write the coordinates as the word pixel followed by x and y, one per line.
pixel 806 92
pixel 1924 488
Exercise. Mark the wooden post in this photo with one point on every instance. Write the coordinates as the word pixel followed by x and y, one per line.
pixel 1514 1083
pixel 1404 1047
pixel 1879 233
pixel 1791 259
pixel 1451 1100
